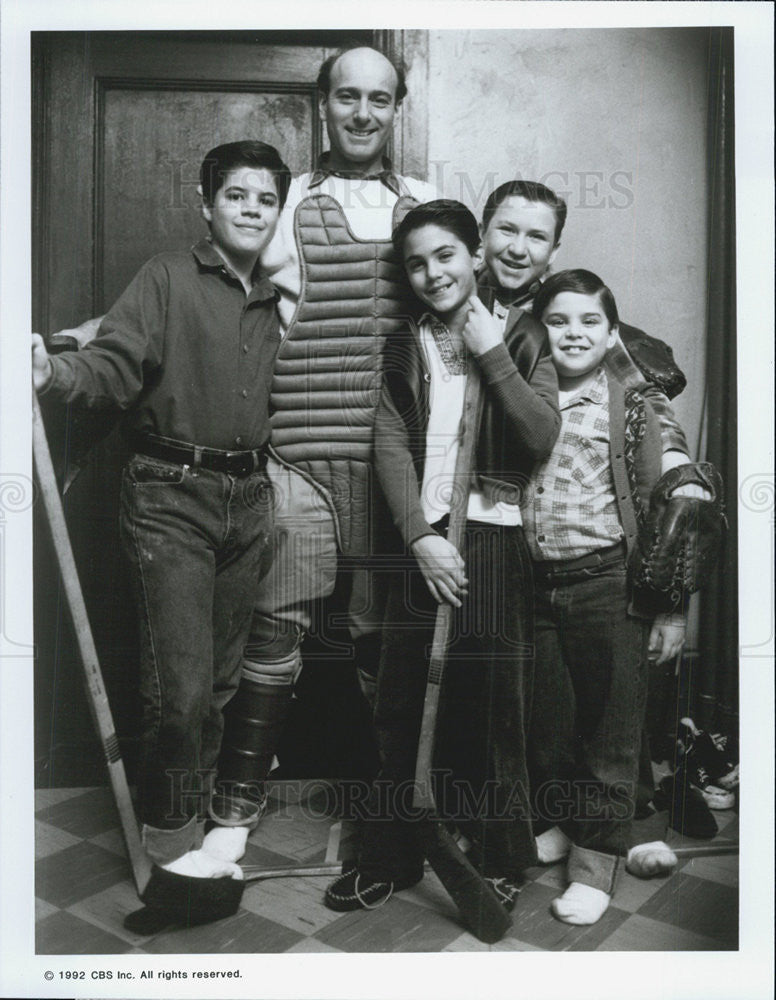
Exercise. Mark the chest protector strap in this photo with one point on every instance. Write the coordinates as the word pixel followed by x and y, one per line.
pixel 328 372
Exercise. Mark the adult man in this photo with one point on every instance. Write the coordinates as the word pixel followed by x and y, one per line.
pixel 341 294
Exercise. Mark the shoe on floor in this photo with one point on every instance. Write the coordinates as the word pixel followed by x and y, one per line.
pixel 351 891
pixel 506 889
pixel 693 771
pixel 716 753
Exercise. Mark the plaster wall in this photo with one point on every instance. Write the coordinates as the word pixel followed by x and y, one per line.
pixel 615 121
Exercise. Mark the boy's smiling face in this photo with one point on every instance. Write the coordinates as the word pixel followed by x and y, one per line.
pixel 519 243
pixel 579 335
pixel 244 213
pixel 440 269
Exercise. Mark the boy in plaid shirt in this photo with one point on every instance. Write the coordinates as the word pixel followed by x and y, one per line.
pixel 582 512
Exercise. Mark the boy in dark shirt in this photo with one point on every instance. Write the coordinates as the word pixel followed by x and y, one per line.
pixel 188 351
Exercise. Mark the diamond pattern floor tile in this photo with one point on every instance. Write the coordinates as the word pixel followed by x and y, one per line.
pixel 108 909
pixel 243 933
pixel 50 839
pixel 640 933
pixel 695 904
pixel 83 815
pixel 533 923
pixel 397 926
pixel 63 933
pixel 297 903
pixel 77 872
pixel 85 890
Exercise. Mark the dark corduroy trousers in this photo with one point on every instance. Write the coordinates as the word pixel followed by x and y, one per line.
pixel 480 763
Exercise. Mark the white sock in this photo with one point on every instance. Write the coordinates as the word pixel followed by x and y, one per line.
pixel 552 845
pixel 198 864
pixel 580 904
pixel 226 843
pixel 648 860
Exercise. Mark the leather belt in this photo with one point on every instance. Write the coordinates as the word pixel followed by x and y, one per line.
pixel 602 557
pixel 233 463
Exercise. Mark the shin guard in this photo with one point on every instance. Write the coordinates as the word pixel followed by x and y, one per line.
pixel 254 723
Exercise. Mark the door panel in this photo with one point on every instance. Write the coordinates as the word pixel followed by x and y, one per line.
pixel 152 144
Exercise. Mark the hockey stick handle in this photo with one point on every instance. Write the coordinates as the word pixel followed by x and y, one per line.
pixel 252 873
pixel 705 850
pixel 95 688
pixel 423 795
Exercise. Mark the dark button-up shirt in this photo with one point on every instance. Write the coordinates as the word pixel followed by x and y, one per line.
pixel 185 350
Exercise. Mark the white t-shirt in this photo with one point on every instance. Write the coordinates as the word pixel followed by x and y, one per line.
pixel 445 411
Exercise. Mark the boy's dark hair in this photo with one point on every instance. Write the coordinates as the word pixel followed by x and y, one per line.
pixel 245 153
pixel 324 73
pixel 531 191
pixel 450 215
pixel 580 281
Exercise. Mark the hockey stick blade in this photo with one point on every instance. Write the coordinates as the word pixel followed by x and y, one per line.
pixel 480 910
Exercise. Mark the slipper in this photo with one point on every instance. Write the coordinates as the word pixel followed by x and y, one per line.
pixel 181 899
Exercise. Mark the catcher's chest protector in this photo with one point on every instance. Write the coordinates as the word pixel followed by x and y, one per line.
pixel 328 371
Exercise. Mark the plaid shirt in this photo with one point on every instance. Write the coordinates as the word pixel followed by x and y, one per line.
pixel 570 507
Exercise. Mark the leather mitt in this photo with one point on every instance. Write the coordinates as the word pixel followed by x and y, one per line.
pixel 682 536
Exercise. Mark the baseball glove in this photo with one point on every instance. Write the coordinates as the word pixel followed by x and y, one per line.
pixel 655 360
pixel 682 535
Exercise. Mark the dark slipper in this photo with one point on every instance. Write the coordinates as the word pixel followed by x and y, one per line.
pixel 352 891
pixel 181 899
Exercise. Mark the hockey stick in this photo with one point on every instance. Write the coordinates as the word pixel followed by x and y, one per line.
pixel 95 689
pixel 252 873
pixel 704 850
pixel 480 910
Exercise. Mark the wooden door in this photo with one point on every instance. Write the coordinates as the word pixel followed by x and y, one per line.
pixel 121 122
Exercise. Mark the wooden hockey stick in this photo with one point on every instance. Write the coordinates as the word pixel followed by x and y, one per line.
pixel 253 873
pixel 95 689
pixel 704 850
pixel 481 911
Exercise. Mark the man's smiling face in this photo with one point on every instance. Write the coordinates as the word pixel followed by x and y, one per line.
pixel 519 243
pixel 359 110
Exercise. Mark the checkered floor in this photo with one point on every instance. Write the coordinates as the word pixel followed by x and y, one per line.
pixel 84 891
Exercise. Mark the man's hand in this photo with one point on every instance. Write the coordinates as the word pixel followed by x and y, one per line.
pixel 42 371
pixel 481 331
pixel 442 568
pixel 666 638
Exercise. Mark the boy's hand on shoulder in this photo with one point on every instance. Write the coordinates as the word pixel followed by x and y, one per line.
pixel 666 637
pixel 42 371
pixel 481 332
pixel 442 567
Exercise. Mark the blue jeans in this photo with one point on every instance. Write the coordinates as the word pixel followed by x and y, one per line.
pixel 588 710
pixel 198 543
